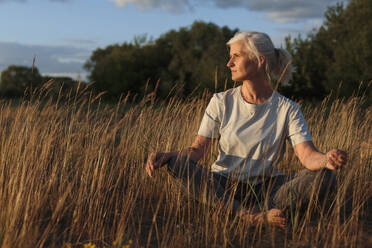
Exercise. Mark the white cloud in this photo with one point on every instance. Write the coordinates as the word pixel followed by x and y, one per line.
pixel 56 59
pixel 283 10
pixel 77 76
pixel 67 60
pixel 277 10
pixel 174 6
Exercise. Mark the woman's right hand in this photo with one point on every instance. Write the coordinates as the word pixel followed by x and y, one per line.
pixel 197 150
pixel 155 161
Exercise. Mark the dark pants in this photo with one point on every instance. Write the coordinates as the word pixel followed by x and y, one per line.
pixel 281 192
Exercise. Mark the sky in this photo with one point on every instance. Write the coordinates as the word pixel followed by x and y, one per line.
pixel 62 34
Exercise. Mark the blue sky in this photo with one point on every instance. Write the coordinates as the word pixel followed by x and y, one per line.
pixel 63 33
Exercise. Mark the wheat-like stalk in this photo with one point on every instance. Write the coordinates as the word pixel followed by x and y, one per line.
pixel 72 173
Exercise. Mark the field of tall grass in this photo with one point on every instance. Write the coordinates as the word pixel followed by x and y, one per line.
pixel 72 175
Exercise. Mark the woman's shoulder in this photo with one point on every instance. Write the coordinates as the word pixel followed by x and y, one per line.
pixel 228 94
pixel 285 102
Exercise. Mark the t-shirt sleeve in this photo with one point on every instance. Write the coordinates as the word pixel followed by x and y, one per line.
pixel 298 130
pixel 211 121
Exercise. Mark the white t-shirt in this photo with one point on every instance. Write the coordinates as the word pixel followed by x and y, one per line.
pixel 252 136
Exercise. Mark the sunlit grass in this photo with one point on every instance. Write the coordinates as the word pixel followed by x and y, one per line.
pixel 72 174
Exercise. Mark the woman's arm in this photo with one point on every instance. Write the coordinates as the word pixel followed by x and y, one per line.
pixel 196 151
pixel 312 159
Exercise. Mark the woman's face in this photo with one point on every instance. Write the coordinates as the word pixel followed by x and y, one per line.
pixel 243 66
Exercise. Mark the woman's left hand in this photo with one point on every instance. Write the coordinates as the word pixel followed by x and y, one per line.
pixel 335 159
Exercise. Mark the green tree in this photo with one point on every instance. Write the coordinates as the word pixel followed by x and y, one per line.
pixel 350 39
pixel 16 79
pixel 126 67
pixel 339 52
pixel 188 57
pixel 198 53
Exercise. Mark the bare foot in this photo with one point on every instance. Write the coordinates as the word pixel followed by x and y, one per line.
pixel 274 217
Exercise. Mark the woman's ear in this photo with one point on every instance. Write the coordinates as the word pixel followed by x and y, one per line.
pixel 261 60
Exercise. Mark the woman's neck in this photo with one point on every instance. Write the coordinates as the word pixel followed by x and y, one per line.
pixel 256 93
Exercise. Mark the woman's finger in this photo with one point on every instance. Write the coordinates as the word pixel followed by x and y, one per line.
pixel 334 162
pixel 330 161
pixel 341 160
pixel 149 168
pixel 150 164
pixel 149 172
pixel 337 157
pixel 333 158
pixel 340 155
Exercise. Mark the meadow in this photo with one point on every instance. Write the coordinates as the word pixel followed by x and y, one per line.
pixel 72 175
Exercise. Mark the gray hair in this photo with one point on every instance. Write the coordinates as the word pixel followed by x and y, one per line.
pixel 278 61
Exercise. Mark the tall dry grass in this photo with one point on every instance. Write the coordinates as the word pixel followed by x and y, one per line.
pixel 72 173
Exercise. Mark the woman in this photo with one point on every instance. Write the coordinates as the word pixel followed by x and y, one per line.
pixel 252 123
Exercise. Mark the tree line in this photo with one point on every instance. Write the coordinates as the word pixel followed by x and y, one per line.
pixel 16 80
pixel 336 57
pixel 185 60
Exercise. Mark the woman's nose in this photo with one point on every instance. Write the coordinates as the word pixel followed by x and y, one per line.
pixel 230 63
